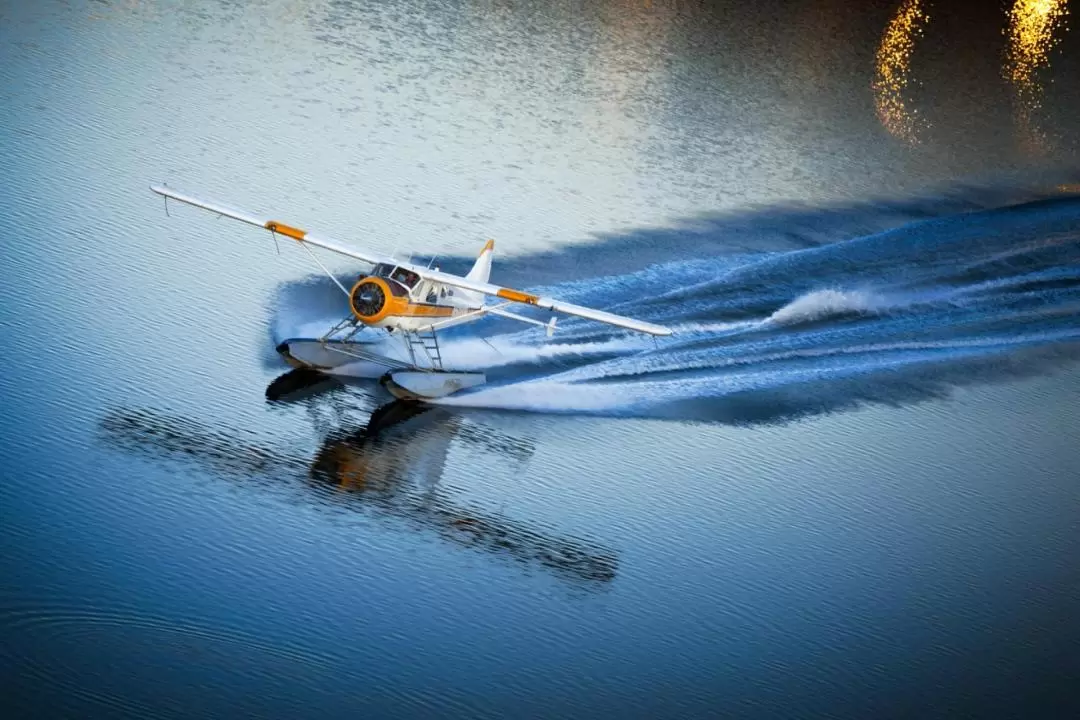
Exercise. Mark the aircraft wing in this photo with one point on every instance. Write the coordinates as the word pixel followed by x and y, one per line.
pixel 546 303
pixel 302 236
pixel 281 228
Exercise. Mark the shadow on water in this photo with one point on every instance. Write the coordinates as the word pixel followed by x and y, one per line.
pixel 390 467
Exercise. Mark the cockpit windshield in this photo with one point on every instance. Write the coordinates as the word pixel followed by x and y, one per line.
pixel 382 270
pixel 406 277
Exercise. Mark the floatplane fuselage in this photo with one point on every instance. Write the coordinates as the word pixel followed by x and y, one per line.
pixel 408 301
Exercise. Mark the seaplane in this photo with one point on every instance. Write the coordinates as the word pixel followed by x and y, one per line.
pixel 407 301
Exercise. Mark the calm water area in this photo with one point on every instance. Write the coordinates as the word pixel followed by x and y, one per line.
pixel 846 487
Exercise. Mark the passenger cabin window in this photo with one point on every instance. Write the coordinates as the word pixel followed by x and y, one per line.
pixel 427 291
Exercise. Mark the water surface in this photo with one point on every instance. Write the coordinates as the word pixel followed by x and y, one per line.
pixel 846 487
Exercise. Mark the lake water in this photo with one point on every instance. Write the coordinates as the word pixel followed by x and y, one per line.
pixel 846 487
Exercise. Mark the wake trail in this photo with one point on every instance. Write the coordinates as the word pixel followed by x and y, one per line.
pixel 894 316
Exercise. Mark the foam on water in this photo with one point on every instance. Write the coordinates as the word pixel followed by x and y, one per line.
pixel 823 303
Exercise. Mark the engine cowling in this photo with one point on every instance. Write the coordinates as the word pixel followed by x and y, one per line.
pixel 369 299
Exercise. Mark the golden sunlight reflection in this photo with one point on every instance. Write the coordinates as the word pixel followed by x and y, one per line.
pixel 1032 24
pixel 894 69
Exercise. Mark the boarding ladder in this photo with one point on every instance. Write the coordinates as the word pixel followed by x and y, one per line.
pixel 424 342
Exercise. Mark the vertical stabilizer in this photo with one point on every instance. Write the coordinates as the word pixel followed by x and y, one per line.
pixel 481 271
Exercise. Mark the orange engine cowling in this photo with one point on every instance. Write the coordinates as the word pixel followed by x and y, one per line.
pixel 372 298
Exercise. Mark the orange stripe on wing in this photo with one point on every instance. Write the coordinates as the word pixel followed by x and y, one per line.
pixel 517 296
pixel 287 230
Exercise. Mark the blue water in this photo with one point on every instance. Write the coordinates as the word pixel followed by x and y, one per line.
pixel 846 487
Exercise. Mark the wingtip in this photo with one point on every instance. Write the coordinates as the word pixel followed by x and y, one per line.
pixel 489 246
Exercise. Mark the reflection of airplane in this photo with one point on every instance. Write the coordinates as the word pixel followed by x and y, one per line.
pixel 390 467
pixel 412 302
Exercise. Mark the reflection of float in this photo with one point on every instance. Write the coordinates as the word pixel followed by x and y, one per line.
pixel 390 467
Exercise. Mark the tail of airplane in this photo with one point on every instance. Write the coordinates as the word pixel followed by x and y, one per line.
pixel 480 272
pixel 481 269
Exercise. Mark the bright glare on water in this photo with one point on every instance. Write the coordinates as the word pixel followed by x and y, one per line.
pixel 845 487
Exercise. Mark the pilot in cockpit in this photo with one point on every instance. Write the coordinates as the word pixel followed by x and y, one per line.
pixel 405 277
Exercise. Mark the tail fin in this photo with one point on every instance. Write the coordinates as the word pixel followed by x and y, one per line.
pixel 480 272
pixel 481 269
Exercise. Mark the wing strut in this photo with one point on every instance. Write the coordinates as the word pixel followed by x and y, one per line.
pixel 325 270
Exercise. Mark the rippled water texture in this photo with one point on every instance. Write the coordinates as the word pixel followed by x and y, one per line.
pixel 846 486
